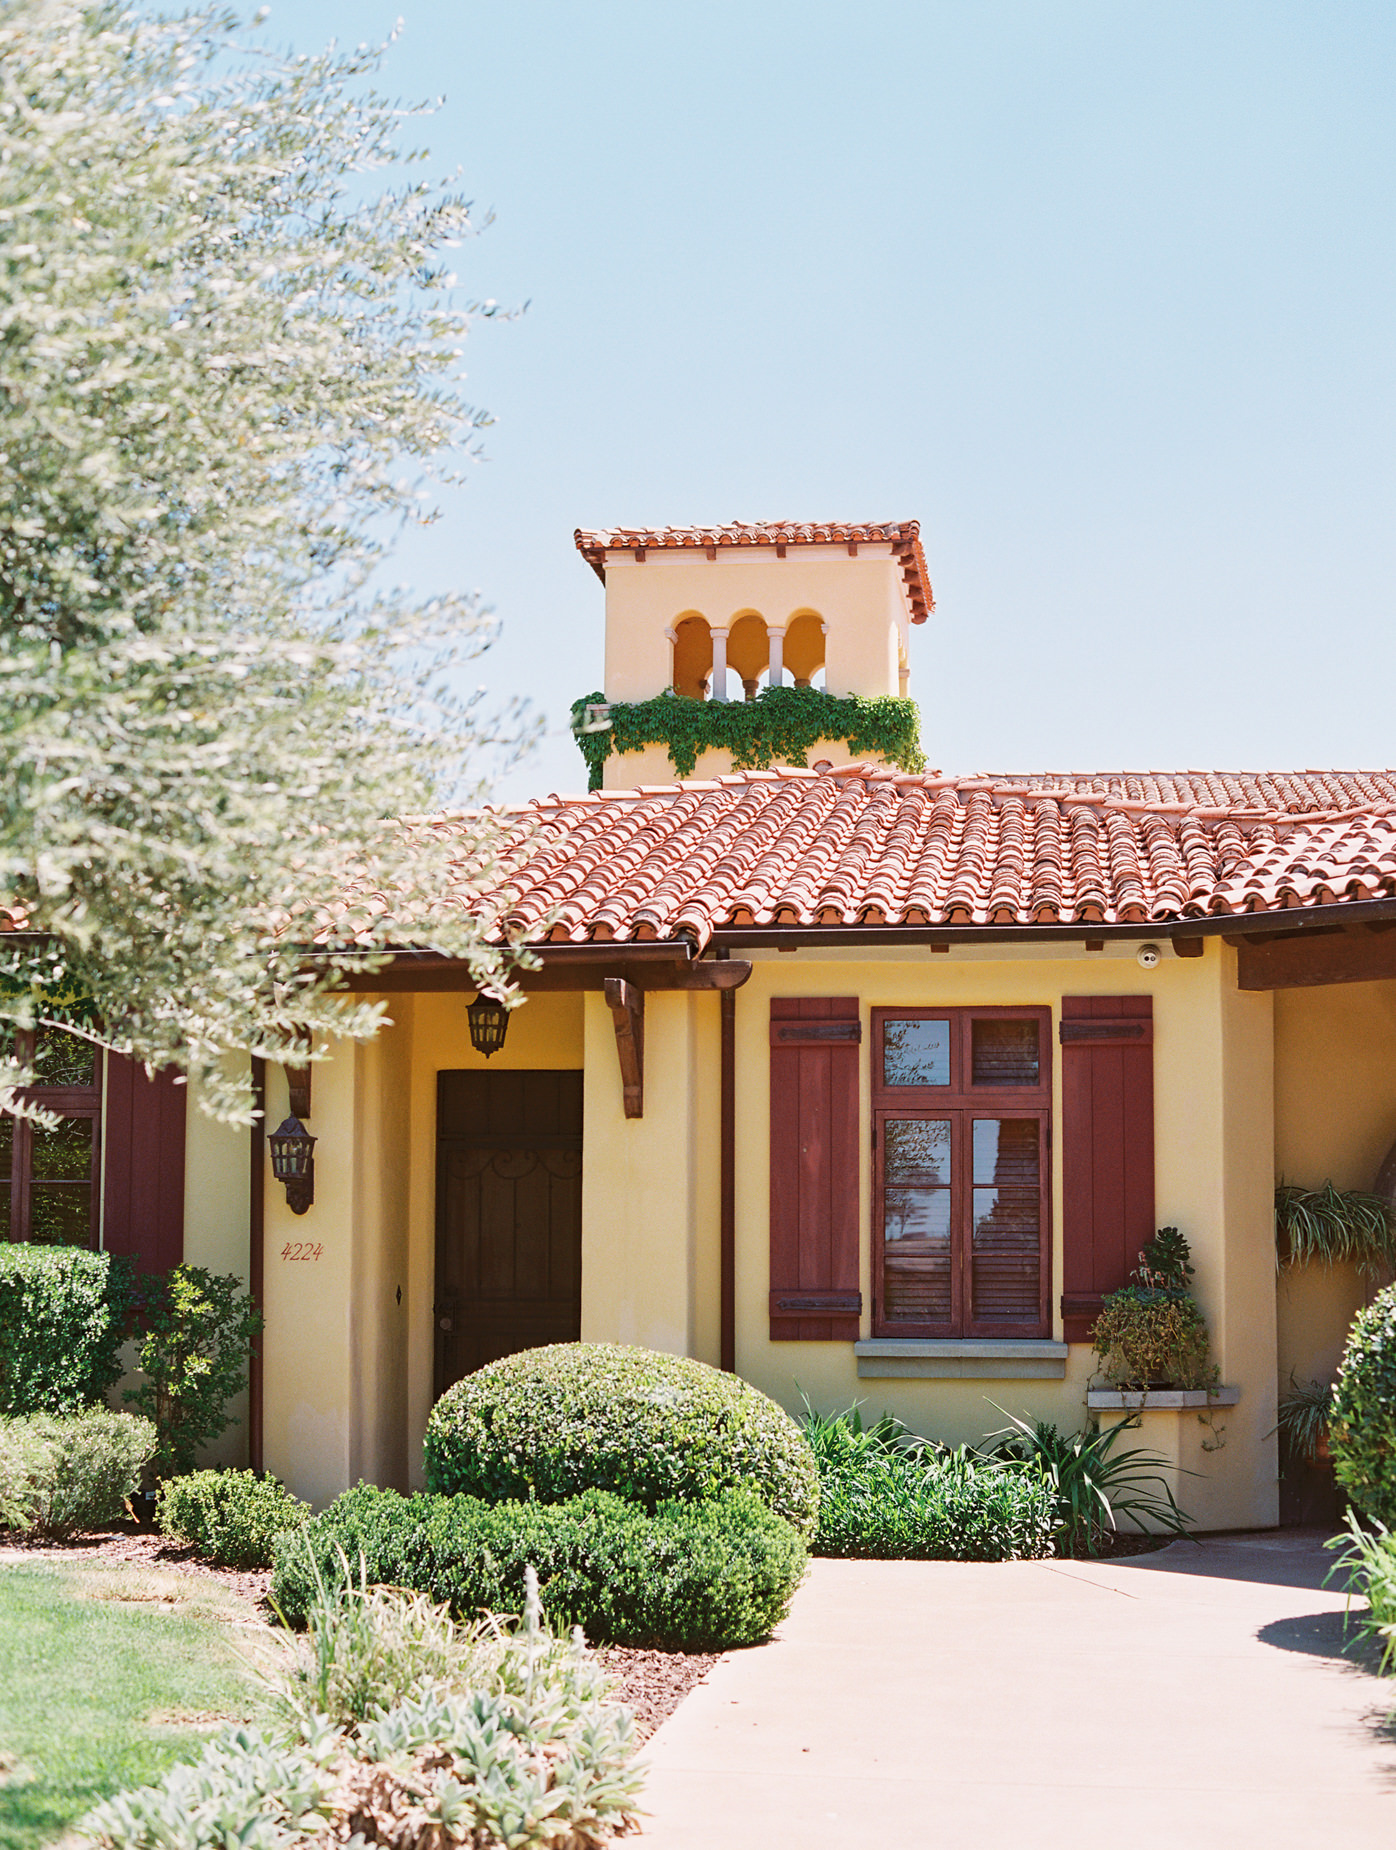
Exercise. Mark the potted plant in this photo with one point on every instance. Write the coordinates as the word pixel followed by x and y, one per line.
pixel 1330 1226
pixel 1152 1334
pixel 1304 1414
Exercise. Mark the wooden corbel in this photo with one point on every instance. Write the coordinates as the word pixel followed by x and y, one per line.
pixel 627 1006
pixel 298 1086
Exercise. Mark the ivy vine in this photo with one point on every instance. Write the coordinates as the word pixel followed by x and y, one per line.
pixel 780 726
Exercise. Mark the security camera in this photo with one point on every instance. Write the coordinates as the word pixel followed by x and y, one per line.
pixel 1147 956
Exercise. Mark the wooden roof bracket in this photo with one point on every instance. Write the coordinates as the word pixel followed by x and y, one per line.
pixel 627 1006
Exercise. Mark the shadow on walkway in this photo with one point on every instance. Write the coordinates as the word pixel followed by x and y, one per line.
pixel 1266 1557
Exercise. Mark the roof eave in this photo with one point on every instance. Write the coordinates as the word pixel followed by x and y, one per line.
pixel 1222 925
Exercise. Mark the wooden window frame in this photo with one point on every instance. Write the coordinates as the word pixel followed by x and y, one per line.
pixel 66 1102
pixel 962 1102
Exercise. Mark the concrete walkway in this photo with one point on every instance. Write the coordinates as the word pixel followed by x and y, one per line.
pixel 1193 1699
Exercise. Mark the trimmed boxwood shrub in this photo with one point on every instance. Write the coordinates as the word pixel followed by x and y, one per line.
pixel 687 1577
pixel 549 1423
pixel 231 1517
pixel 62 1320
pixel 1362 1425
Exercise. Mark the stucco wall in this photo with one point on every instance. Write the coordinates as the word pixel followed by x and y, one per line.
pixel 859 598
pixel 1213 1137
pixel 1335 1119
pixel 349 1371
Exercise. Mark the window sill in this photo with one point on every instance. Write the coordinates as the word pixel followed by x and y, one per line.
pixel 885 1358
pixel 1159 1400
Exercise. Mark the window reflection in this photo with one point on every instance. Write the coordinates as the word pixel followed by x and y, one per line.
pixel 60 1214
pixel 916 1053
pixel 65 1152
pixel 63 1059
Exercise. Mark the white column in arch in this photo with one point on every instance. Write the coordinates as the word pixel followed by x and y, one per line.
pixel 775 676
pixel 719 687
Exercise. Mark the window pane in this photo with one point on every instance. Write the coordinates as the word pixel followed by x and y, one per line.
pixel 65 1152
pixel 1006 1209
pixel 63 1059
pixel 916 1214
pixel 5 1212
pixel 7 1144
pixel 916 1053
pixel 916 1151
pixel 60 1214
pixel 1005 1053
pixel 916 1228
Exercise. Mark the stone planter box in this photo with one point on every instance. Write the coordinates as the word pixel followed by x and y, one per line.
pixel 1186 1427
pixel 1159 1400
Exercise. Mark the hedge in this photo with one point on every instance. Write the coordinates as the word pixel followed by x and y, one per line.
pixel 63 1317
pixel 1362 1425
pixel 550 1423
pixel 689 1576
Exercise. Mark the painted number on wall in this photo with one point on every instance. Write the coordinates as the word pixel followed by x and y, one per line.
pixel 302 1249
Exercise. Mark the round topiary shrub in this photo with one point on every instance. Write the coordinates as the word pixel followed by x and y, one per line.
pixel 549 1423
pixel 1362 1426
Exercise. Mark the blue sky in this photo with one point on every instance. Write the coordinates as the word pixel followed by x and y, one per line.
pixel 1100 293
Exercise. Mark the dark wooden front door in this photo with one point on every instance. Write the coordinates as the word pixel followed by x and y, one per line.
pixel 508 1216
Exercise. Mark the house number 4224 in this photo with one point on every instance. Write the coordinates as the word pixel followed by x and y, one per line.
pixel 302 1249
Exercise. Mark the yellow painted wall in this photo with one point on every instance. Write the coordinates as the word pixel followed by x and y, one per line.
pixel 859 598
pixel 649 1184
pixel 307 1360
pixel 349 1372
pixel 1335 1119
pixel 1212 1162
pixel 348 1367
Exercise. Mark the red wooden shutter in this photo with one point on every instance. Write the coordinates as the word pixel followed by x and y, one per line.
pixel 814 1169
pixel 143 1169
pixel 1107 1148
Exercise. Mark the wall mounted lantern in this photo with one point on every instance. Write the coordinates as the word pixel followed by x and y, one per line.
pixel 293 1163
pixel 489 1023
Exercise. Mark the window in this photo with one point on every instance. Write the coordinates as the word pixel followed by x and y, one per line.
pixel 960 1131
pixel 48 1178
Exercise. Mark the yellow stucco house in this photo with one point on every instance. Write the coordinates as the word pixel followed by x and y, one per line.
pixel 862 1082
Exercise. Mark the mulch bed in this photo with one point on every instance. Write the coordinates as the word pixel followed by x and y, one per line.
pixel 652 1683
pixel 1116 1547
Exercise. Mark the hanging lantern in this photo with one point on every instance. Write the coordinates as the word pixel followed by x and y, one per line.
pixel 293 1163
pixel 489 1023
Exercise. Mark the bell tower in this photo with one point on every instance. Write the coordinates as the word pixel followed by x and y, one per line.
pixel 722 614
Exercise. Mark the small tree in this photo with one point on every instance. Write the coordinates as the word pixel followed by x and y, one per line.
pixel 199 1331
pixel 229 355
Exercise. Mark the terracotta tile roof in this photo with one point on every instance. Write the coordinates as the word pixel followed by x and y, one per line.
pixel 904 536
pixel 1294 792
pixel 863 845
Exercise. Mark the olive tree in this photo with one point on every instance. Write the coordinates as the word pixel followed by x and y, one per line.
pixel 229 370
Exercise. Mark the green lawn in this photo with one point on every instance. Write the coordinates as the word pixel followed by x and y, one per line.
pixel 105 1673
